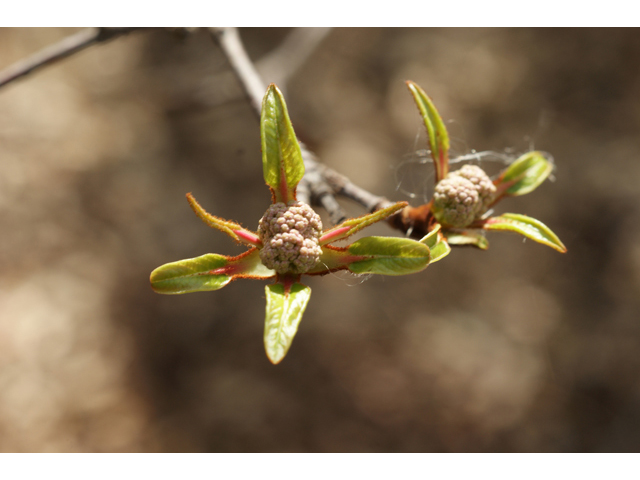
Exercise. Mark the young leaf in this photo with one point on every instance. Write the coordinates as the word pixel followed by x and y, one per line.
pixel 388 256
pixel 332 259
pixel 527 226
pixel 467 237
pixel 282 162
pixel 524 175
pixel 437 244
pixel 232 229
pixel 191 275
pixel 207 272
pixel 381 255
pixel 440 250
pixel 285 306
pixel 438 136
pixel 431 238
pixel 354 225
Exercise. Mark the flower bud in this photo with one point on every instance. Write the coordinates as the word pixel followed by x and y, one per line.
pixel 455 201
pixel 290 237
pixel 463 196
pixel 482 183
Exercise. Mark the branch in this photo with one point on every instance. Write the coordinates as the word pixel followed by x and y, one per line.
pixel 64 48
pixel 279 65
pixel 254 87
pixel 320 183
pixel 315 190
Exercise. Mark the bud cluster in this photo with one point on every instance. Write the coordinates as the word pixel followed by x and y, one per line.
pixel 290 234
pixel 463 196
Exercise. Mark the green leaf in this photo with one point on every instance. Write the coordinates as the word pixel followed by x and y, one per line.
pixel 354 225
pixel 285 306
pixel 191 275
pixel 207 272
pixel 431 238
pixel 437 244
pixel 524 175
pixel 233 229
pixel 331 260
pixel 467 237
pixel 388 256
pixel 438 136
pixel 282 162
pixel 440 250
pixel 527 226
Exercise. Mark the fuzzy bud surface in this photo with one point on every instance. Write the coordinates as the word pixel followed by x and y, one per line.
pixel 290 237
pixel 455 201
pixel 463 196
pixel 482 183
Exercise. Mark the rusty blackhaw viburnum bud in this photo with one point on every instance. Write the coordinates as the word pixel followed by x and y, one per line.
pixel 290 241
pixel 290 235
pixel 482 184
pixel 463 196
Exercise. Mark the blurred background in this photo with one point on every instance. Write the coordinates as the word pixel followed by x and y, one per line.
pixel 518 348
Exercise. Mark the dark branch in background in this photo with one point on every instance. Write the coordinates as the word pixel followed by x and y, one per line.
pixel 279 65
pixel 241 64
pixel 320 183
pixel 64 48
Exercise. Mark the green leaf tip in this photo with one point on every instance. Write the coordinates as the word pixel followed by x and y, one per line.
pixel 437 244
pixel 467 238
pixel 285 305
pixel 436 130
pixel 282 163
pixel 525 174
pixel 527 226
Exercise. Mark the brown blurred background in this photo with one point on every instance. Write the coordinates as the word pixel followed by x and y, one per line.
pixel 518 348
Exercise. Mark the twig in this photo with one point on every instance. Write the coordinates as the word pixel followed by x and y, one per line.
pixel 64 48
pixel 277 66
pixel 319 190
pixel 281 63
pixel 241 64
pixel 320 183
pixel 345 187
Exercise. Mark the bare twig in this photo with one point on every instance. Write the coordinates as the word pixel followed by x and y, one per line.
pixel 251 81
pixel 319 190
pixel 64 48
pixel 345 187
pixel 277 66
pixel 282 62
pixel 320 183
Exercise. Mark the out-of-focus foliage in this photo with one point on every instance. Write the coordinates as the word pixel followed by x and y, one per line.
pixel 517 348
